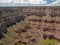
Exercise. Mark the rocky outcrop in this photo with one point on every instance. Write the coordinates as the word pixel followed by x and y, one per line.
pixel 44 25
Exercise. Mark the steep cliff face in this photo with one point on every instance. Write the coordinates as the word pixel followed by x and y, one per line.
pixel 29 25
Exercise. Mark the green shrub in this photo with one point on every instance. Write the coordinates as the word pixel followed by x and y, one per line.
pixel 48 42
